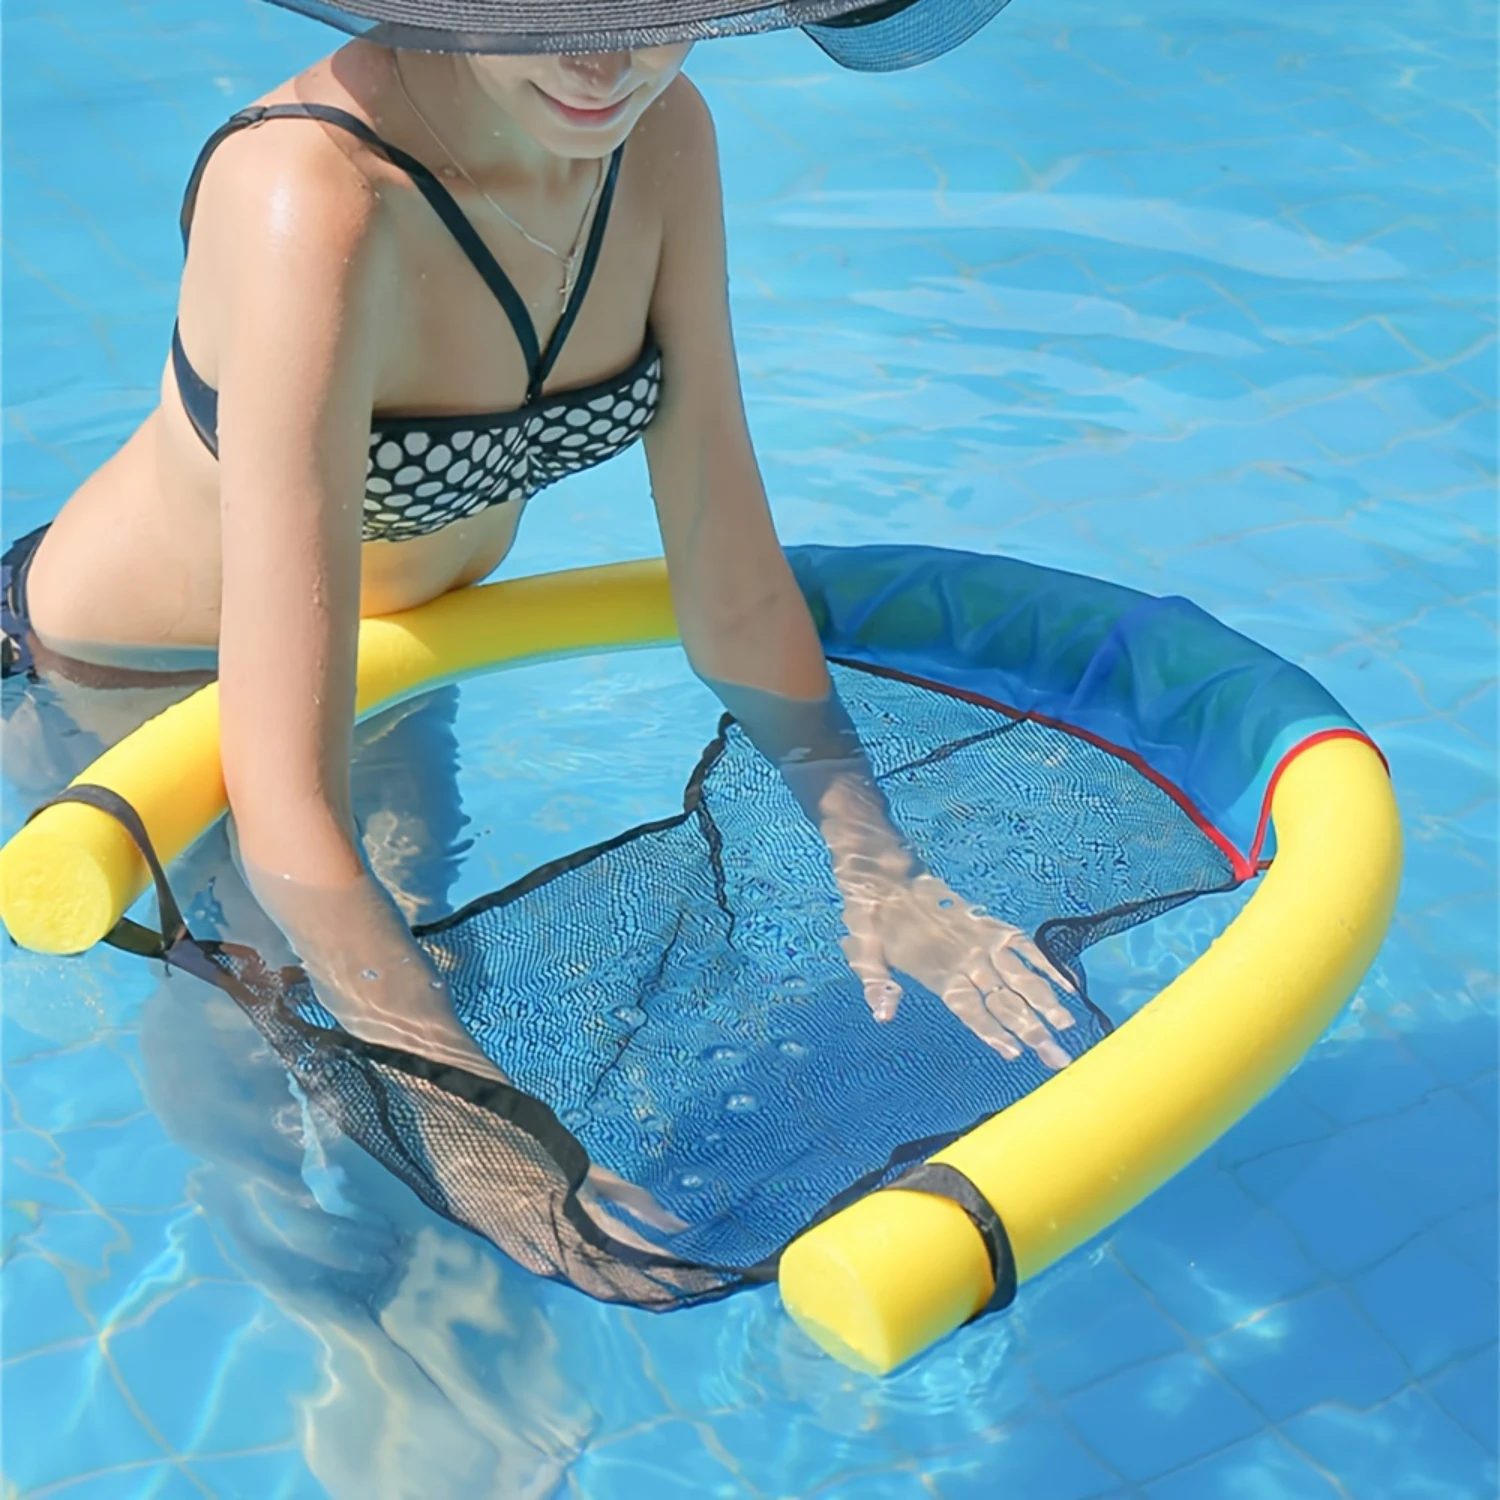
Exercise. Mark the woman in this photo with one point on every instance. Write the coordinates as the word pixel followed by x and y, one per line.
pixel 420 286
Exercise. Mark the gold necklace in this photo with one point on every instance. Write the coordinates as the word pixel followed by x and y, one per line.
pixel 568 262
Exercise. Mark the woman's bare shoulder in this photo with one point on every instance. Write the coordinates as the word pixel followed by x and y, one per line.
pixel 677 148
pixel 304 186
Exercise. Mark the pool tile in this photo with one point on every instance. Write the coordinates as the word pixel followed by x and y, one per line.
pixel 1039 1456
pixel 126 1481
pixel 1477 370
pixel 1484 1095
pixel 1287 1117
pixel 37 1307
pixel 67 1391
pixel 197 1358
pixel 1469 1391
pixel 952 1397
pixel 1407 1449
pixel 82 1086
pixel 1459 1049
pixel 892 1483
pixel 1358 1080
pixel 670 1345
pixel 131 1259
pixel 1263 1468
pixel 623 1391
pixel 84 1241
pixel 1354 1198
pixel 18 1219
pixel 131 1162
pixel 1429 1303
pixel 1473 1234
pixel 258 1476
pixel 36 1173
pixel 801 1459
pixel 1309 1350
pixel 175 1482
pixel 1209 1254
pixel 1086 1320
pixel 1157 1417
pixel 663 1460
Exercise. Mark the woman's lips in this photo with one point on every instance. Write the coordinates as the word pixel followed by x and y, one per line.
pixel 587 118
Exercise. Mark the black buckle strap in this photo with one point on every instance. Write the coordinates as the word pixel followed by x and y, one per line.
pixel 943 1181
pixel 125 934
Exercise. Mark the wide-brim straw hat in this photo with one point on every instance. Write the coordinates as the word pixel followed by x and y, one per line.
pixel 874 38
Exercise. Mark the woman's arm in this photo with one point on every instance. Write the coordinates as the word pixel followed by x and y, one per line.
pixel 750 636
pixel 299 358
pixel 742 617
pixel 304 282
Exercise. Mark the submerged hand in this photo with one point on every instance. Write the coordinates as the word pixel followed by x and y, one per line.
pixel 407 1007
pixel 603 1194
pixel 991 975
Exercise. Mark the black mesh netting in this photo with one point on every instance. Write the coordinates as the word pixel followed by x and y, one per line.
pixel 673 1004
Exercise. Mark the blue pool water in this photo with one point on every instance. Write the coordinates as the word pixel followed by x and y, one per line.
pixel 1197 297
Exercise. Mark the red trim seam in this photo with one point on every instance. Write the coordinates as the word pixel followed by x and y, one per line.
pixel 1313 739
pixel 1245 867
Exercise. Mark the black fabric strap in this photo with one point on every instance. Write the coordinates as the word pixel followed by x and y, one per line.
pixel 581 286
pixel 199 399
pixel 538 365
pixel 131 936
pixel 231 126
pixel 943 1181
pixel 15 606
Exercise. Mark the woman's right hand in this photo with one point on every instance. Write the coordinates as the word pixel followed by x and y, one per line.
pixel 378 982
pixel 368 970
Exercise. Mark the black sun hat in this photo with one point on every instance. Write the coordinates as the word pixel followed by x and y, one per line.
pixel 874 38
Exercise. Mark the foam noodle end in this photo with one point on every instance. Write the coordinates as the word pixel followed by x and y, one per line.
pixel 65 879
pixel 886 1277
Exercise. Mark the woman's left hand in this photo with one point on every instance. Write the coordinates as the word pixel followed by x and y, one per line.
pixel 991 975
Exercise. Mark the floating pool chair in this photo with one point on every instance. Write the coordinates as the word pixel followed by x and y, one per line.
pixel 673 1005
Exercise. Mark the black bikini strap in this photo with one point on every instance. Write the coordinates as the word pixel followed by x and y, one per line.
pixel 131 936
pixel 442 201
pixel 585 275
pixel 231 126
pixel 943 1181
pixel 199 399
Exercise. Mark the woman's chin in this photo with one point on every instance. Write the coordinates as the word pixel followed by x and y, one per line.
pixel 573 133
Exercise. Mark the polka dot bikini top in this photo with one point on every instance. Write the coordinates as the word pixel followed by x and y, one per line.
pixel 424 473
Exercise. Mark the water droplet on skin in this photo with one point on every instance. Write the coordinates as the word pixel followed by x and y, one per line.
pixel 369 973
pixel 434 984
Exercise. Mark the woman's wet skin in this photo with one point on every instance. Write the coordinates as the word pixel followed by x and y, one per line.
pixel 258 556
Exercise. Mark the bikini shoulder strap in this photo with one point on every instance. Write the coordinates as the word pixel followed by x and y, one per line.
pixel 442 201
pixel 585 276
